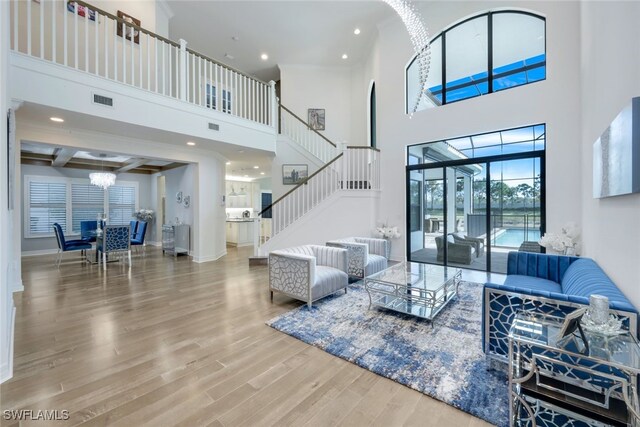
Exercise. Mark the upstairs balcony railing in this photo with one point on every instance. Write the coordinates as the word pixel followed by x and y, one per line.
pixel 86 38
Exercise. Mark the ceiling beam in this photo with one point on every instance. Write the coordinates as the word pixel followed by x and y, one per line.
pixel 172 166
pixel 62 157
pixel 131 164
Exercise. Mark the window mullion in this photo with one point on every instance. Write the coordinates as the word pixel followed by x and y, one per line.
pixel 105 203
pixel 490 51
pixel 69 208
pixel 444 68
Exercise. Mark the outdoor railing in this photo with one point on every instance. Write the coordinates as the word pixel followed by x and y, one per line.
pixel 89 39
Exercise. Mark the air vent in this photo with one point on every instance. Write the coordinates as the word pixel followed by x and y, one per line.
pixel 213 126
pixel 103 100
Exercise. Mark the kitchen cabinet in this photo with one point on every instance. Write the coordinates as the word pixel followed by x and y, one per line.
pixel 240 233
pixel 246 194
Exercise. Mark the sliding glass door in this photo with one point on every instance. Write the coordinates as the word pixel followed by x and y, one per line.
pixel 471 212
pixel 515 205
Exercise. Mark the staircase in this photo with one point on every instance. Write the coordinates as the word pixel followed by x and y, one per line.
pixel 346 171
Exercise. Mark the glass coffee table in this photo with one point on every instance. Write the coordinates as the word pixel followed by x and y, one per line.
pixel 421 290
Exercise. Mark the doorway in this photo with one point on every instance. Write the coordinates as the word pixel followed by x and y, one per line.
pixel 471 212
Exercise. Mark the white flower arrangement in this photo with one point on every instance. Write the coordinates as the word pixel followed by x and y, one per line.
pixel 565 242
pixel 387 232
pixel 144 215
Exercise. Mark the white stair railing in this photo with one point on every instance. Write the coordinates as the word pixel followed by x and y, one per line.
pixel 83 37
pixel 357 168
pixel 306 137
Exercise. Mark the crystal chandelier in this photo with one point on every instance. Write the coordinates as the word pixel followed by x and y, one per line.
pixel 102 179
pixel 419 39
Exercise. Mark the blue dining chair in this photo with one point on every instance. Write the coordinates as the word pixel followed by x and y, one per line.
pixel 115 239
pixel 138 237
pixel 134 227
pixel 68 245
pixel 88 230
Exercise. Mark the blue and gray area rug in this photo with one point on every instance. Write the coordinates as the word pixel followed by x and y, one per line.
pixel 444 361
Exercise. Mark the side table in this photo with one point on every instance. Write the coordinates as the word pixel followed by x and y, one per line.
pixel 551 383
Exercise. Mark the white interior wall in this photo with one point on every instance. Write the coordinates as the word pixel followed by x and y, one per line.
pixel 304 87
pixel 289 153
pixel 7 256
pixel 38 244
pixel 180 179
pixel 610 71
pixel 554 101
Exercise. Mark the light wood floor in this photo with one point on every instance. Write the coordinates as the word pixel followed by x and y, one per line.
pixel 172 342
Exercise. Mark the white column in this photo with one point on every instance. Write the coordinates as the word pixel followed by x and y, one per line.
pixel 183 70
pixel 274 104
pixel 208 229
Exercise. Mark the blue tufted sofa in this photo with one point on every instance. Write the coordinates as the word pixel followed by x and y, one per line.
pixel 552 284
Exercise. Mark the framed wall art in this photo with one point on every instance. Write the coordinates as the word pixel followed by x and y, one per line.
pixel 129 31
pixel 294 174
pixel 316 118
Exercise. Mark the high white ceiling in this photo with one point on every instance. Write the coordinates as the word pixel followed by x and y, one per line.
pixel 310 32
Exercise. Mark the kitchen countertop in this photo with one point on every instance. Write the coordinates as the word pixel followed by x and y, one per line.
pixel 240 219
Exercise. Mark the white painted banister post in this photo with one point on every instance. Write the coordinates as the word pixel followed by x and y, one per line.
pixel 274 104
pixel 183 70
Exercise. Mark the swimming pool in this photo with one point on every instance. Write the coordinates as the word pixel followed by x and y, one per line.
pixel 513 237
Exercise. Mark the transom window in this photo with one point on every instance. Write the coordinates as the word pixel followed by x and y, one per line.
pixel 482 54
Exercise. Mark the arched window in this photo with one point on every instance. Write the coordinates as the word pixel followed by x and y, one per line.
pixel 372 115
pixel 482 54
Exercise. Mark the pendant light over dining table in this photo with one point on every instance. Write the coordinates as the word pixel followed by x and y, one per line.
pixel 102 179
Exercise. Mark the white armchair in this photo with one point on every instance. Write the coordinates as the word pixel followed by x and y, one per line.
pixel 308 273
pixel 366 255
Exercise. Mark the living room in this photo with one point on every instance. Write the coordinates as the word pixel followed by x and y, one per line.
pixel 223 364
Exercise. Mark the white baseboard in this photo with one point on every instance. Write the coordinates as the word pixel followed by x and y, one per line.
pixel 6 369
pixel 40 252
pixel 210 258
pixel 17 286
pixel 149 243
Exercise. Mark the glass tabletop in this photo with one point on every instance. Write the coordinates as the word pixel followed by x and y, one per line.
pixel 623 350
pixel 427 277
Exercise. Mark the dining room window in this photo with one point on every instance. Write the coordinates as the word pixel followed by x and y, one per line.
pixel 68 201
pixel 47 204
pixel 87 202
pixel 122 204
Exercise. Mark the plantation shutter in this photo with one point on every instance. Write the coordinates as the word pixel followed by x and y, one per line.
pixel 122 204
pixel 47 205
pixel 87 203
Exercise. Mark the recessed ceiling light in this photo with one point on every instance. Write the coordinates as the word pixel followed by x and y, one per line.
pixel 235 38
pixel 229 56
pixel 56 119
pixel 191 143
pixel 356 31
pixel 261 173
pixel 228 163
pixel 345 56
pixel 256 167
pixel 264 56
